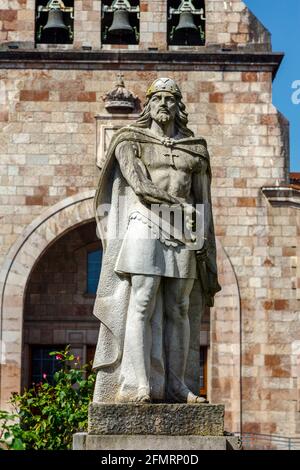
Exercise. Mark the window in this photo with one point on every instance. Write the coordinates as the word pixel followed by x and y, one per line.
pixel 43 366
pixel 120 22
pixel 203 371
pixel 54 22
pixel 94 260
pixel 186 22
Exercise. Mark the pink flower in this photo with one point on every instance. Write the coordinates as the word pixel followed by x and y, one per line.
pixel 77 358
pixel 44 376
pixel 58 357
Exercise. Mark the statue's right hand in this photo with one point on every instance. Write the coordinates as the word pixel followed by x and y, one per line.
pixel 155 195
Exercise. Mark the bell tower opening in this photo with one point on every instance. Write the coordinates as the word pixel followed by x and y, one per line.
pixel 186 22
pixel 54 22
pixel 120 23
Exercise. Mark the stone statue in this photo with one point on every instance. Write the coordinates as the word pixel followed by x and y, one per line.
pixel 156 280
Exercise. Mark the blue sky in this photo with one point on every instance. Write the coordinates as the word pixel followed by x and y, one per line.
pixel 282 18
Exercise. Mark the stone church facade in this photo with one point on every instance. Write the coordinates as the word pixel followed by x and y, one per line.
pixel 51 147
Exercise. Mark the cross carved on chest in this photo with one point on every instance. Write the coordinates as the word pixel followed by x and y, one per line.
pixel 169 144
pixel 171 156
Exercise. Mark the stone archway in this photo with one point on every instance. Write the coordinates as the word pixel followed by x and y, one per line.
pixel 22 257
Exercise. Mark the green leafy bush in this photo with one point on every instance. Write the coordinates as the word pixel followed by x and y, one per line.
pixel 48 415
pixel 10 432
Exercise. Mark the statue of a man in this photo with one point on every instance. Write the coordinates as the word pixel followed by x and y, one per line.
pixel 153 289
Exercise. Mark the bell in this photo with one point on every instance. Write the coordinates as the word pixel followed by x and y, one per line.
pixel 55 20
pixel 186 22
pixel 120 24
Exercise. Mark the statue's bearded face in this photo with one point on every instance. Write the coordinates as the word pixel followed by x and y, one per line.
pixel 163 107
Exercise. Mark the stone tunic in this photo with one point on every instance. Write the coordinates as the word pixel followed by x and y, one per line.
pixel 145 250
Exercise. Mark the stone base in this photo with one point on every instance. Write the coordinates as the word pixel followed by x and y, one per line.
pixel 131 426
pixel 156 419
pixel 85 441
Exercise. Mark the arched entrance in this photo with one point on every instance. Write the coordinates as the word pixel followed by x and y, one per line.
pixel 20 261
pixel 59 300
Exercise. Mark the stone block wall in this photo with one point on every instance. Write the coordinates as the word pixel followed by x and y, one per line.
pixel 271 328
pixel 228 24
pixel 87 23
pixel 48 142
pixel 17 21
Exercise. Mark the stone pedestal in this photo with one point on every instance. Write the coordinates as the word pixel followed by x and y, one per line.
pixel 155 427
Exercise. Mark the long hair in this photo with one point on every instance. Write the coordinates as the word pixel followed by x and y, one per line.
pixel 181 118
